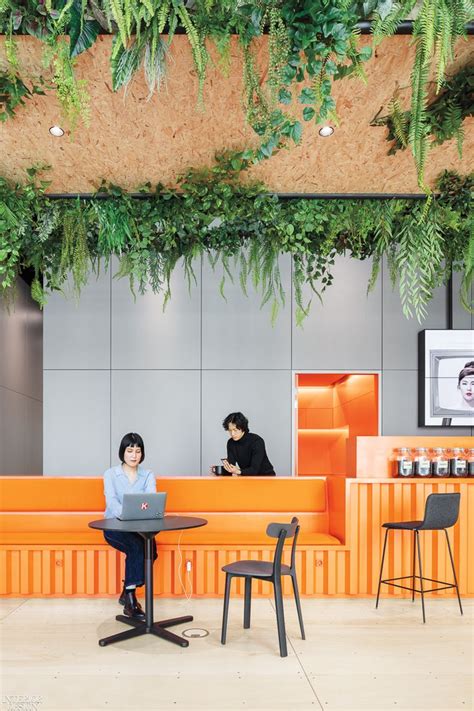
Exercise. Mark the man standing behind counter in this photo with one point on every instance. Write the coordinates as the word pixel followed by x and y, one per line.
pixel 246 453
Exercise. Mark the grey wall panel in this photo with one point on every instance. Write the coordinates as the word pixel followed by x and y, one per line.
pixel 33 440
pixel 164 407
pixel 34 353
pixel 345 332
pixel 400 335
pixel 236 333
pixel 21 443
pixel 145 336
pixel 77 333
pixel 462 318
pixel 265 399
pixel 12 344
pixel 400 407
pixel 21 386
pixel 21 367
pixel 76 422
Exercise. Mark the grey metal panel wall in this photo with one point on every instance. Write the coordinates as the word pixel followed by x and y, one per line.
pixel 236 332
pixel 164 407
pixel 400 335
pixel 146 336
pixel 174 376
pixel 21 385
pixel 461 317
pixel 76 422
pixel 77 331
pixel 345 331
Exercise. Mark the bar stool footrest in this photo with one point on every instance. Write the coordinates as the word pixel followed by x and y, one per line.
pixel 390 581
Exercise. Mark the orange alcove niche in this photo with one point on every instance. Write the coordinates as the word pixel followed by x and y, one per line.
pixel 332 409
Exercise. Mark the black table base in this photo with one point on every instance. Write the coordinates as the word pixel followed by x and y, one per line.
pixel 148 530
pixel 148 626
pixel 140 627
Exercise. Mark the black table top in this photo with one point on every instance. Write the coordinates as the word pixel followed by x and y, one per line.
pixel 168 523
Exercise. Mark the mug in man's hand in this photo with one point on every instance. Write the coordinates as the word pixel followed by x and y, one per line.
pixel 220 470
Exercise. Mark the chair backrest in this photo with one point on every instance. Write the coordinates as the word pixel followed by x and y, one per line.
pixel 441 511
pixel 282 531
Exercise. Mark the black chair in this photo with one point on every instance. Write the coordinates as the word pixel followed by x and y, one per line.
pixel 271 572
pixel 441 512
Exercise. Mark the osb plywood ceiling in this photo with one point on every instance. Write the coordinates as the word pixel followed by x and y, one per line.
pixel 131 141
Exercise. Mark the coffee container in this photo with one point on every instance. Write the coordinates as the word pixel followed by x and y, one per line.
pixel 421 462
pixel 403 464
pixel 457 463
pixel 470 462
pixel 439 463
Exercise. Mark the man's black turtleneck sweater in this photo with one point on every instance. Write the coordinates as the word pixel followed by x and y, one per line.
pixel 249 453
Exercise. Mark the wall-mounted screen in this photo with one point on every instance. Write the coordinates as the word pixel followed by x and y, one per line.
pixel 446 378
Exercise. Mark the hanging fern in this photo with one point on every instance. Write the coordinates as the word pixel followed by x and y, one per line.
pixel 385 24
pixel 438 24
pixel 443 117
pixel 71 92
pixel 399 119
pixel 419 262
pixel 198 48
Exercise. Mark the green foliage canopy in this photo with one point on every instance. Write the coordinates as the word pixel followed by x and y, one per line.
pixel 242 230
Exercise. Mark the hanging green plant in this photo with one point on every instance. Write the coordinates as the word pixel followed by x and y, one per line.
pixel 437 27
pixel 444 116
pixel 14 93
pixel 243 231
pixel 71 92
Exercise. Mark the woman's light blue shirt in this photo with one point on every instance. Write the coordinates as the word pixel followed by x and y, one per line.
pixel 117 483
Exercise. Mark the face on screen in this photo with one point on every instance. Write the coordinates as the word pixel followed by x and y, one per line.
pixel 466 387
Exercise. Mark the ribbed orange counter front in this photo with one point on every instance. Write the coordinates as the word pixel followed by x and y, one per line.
pixel 47 549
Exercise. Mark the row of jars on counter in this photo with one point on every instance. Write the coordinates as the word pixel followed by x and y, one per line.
pixel 433 462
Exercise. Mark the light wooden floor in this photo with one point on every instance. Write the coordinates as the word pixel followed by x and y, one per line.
pixel 353 658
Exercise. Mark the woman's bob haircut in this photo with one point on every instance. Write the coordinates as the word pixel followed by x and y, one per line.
pixel 238 420
pixel 132 439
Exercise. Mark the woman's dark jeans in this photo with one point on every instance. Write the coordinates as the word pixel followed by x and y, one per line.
pixel 133 545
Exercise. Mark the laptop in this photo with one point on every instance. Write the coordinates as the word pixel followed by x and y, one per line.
pixel 142 507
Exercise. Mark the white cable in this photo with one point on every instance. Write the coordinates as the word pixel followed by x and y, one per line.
pixel 180 563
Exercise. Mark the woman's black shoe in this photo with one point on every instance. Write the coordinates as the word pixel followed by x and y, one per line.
pixel 132 607
pixel 122 595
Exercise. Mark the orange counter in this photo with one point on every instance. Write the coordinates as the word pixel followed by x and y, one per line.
pixel 47 549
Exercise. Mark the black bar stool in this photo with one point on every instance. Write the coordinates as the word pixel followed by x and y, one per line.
pixel 271 572
pixel 441 512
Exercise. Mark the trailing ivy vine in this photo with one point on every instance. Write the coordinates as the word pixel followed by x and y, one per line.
pixel 242 230
pixel 311 44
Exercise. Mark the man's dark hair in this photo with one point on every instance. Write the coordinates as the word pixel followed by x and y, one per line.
pixel 132 439
pixel 466 371
pixel 237 419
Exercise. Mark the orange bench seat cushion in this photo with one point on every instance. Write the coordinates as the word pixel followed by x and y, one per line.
pixel 171 538
pixel 228 529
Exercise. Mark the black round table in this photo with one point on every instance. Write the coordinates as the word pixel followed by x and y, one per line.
pixel 148 529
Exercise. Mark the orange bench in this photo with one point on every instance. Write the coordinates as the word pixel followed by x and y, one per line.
pixel 44 526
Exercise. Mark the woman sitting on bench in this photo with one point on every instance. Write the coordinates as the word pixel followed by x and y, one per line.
pixel 129 478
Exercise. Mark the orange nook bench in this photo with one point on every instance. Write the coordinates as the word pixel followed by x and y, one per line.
pixel 47 548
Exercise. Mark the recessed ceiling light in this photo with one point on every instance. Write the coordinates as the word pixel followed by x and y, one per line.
pixel 326 131
pixel 56 131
